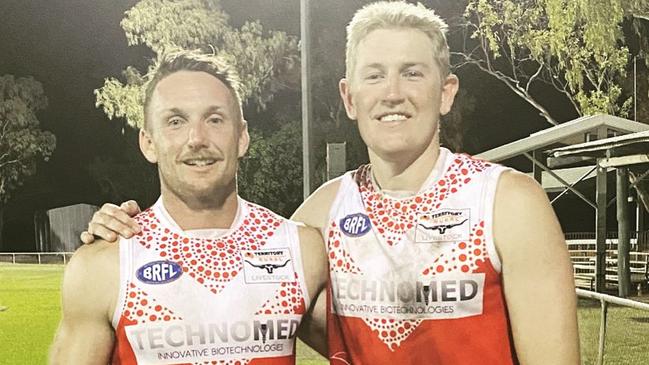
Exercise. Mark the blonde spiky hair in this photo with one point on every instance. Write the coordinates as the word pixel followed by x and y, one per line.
pixel 397 14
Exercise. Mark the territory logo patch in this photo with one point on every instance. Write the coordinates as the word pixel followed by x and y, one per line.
pixel 355 225
pixel 444 225
pixel 159 272
pixel 268 266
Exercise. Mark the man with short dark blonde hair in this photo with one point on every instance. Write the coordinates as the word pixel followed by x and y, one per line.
pixel 210 277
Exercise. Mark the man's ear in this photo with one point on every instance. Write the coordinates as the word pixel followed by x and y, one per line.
pixel 345 93
pixel 244 139
pixel 449 90
pixel 147 147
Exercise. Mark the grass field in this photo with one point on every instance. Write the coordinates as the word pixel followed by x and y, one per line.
pixel 31 295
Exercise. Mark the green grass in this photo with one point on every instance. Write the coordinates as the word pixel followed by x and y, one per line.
pixel 627 337
pixel 31 295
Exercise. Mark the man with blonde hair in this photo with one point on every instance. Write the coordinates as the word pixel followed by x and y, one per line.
pixel 435 257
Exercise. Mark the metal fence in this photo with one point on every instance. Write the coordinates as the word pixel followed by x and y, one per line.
pixel 35 257
pixel 639 239
pixel 605 300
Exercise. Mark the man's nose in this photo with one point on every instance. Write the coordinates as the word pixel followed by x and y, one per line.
pixel 394 91
pixel 198 135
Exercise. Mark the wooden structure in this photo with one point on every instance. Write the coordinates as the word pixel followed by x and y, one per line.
pixel 558 166
pixel 58 230
pixel 610 153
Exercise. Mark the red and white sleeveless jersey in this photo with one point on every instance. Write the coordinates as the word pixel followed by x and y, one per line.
pixel 416 280
pixel 200 298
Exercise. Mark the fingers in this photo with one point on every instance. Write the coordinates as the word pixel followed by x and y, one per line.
pixel 111 221
pixel 87 238
pixel 130 207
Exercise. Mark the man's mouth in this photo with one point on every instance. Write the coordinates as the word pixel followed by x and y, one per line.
pixel 393 117
pixel 200 162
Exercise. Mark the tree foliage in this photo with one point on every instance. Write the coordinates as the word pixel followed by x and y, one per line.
pixel 126 174
pixel 22 143
pixel 577 47
pixel 266 60
pixel 270 174
pixel 574 46
pixel 267 63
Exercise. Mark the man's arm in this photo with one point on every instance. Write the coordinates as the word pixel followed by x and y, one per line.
pixel 314 260
pixel 537 273
pixel 90 290
pixel 314 212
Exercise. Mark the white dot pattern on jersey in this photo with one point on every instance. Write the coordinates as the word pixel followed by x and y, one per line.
pixel 139 307
pixel 467 257
pixel 392 218
pixel 339 259
pixel 288 299
pixel 211 262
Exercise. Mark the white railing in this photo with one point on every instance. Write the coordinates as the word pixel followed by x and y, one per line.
pixel 605 300
pixel 35 257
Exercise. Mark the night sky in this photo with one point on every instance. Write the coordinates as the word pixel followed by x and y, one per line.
pixel 70 46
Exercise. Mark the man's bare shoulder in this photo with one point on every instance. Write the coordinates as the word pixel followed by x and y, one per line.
pixel 100 253
pixel 314 211
pixel 523 215
pixel 309 236
pixel 516 185
pixel 91 279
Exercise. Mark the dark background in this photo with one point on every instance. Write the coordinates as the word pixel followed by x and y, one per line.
pixel 70 46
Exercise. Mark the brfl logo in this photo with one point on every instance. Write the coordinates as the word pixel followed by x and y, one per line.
pixel 355 225
pixel 159 272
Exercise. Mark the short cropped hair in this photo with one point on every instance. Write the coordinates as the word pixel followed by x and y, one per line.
pixel 397 14
pixel 193 60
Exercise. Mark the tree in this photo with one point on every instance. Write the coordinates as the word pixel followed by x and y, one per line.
pixel 126 174
pixel 271 170
pixel 22 143
pixel 267 63
pixel 573 46
pixel 576 47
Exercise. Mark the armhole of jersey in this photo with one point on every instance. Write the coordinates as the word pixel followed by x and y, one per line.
pixel 488 205
pixel 124 272
pixel 345 182
pixel 294 234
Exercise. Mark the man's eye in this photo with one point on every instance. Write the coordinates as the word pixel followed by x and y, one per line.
pixel 413 74
pixel 175 122
pixel 215 120
pixel 373 77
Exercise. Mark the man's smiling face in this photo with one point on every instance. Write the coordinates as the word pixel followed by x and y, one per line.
pixel 195 134
pixel 396 92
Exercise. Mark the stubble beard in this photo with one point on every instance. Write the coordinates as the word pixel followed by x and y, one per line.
pixel 197 198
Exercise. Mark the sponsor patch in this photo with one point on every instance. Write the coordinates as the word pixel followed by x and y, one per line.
pixel 177 342
pixel 443 226
pixel 268 266
pixel 355 225
pixel 442 296
pixel 159 272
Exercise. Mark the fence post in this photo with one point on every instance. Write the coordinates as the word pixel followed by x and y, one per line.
pixel 39 258
pixel 13 258
pixel 602 332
